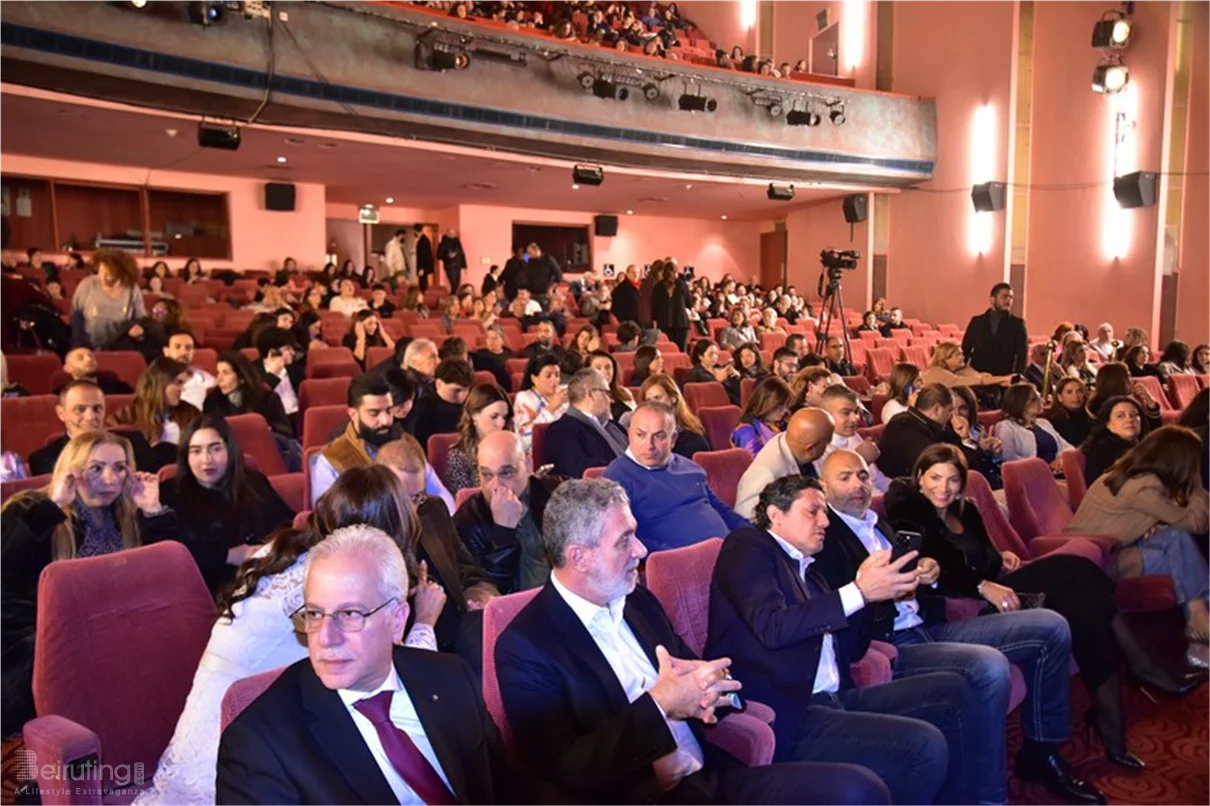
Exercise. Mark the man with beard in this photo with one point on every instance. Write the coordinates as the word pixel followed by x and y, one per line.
pixel 369 428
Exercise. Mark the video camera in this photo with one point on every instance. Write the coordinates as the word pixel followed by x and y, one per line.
pixel 837 259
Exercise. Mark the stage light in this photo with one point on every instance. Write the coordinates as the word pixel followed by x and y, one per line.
pixel 1110 76
pixel 697 103
pixel 588 175
pixel 797 117
pixel 207 14
pixel 1113 31
pixel 651 92
pixel 604 88
pixel 780 192
pixel 775 110
pixel 836 112
pixel 442 60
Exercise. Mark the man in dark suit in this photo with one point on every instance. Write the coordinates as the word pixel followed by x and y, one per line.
pixel 624 303
pixel 542 273
pixel 425 259
pixel 584 437
pixel 774 616
pixel 979 649
pixel 605 701
pixel 361 721
pixel 835 359
pixel 81 409
pixel 995 340
pixel 512 277
pixel 1035 373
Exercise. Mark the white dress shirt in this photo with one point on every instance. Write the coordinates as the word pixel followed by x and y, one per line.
pixel 866 529
pixel 285 390
pixel 633 668
pixel 827 674
pixel 880 481
pixel 404 717
pixel 348 305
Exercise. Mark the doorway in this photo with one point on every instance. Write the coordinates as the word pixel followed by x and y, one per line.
pixel 773 258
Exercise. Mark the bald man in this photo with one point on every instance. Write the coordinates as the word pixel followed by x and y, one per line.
pixel 788 454
pixel 501 524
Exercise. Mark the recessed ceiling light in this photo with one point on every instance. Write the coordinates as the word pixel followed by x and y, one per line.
pixel 688 187
pixel 390 199
pixel 723 217
pixel 630 212
pixel 281 159
pixel 575 187
pixel 171 132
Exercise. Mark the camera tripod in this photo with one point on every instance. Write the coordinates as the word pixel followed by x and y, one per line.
pixel 831 309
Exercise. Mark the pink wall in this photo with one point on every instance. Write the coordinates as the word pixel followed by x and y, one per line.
pixel 794 26
pixel 721 22
pixel 1192 322
pixel 960 53
pixel 260 239
pixel 821 225
pixel 1070 142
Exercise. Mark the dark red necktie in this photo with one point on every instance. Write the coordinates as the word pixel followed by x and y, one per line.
pixel 403 754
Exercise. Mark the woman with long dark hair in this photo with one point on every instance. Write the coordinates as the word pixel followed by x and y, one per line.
pixel 254 632
pixel 219 501
pixel 542 399
pixel 705 369
pixel 240 390
pixel 621 400
pixel 366 331
pixel 1113 380
pixel 648 361
pixel 1068 413
pixel 1151 502
pixel 765 415
pixel 487 409
pixel 932 503
pixel 749 363
pixel 1138 361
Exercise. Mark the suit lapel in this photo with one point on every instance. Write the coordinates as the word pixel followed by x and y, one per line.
pixel 435 716
pixel 333 728
pixel 439 557
pixel 579 644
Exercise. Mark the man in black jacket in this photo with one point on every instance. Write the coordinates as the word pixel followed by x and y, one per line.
pixel 926 423
pixel 361 721
pixel 542 273
pixel 493 356
pixel 81 409
pixel 606 702
pixel 441 411
pixel 501 524
pixel 425 259
pixel 774 616
pixel 584 437
pixel 979 649
pixel 452 257
pixel 624 303
pixel 514 274
pixel 996 341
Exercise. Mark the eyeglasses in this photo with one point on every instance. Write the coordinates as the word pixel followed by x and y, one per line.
pixel 310 619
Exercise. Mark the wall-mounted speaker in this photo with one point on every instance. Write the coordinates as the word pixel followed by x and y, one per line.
pixel 1135 190
pixel 279 196
pixel 855 208
pixel 605 226
pixel 988 197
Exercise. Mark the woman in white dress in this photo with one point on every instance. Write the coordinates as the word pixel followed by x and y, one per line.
pixel 254 634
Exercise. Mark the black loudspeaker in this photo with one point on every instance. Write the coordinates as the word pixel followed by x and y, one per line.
pixel 855 208
pixel 988 197
pixel 605 226
pixel 279 196
pixel 1135 190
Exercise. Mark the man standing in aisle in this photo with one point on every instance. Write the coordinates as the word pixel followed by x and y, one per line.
pixel 996 341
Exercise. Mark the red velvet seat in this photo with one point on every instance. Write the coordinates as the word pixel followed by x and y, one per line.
pixel 328 355
pixel 858 383
pixel 37 421
pixel 205 358
pixel 462 496
pixel 915 355
pixel 118 642
pixel 1074 461
pixel 724 469
pixel 1037 508
pixel 1181 388
pixel 376 355
pixel 1156 390
pixel 333 369
pixel 710 393
pixel 746 385
pixel 241 693
pixel 10 488
pixel 34 371
pixel 291 487
pixel 593 472
pixel 322 392
pixel 126 364
pixel 538 444
pixel 719 423
pixel 439 453
pixel 319 422
pixel 252 434
pixel 879 363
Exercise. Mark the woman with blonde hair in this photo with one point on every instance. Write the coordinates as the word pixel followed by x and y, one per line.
pixel 1074 362
pixel 96 503
pixel 690 434
pixel 808 386
pixel 157 409
pixel 948 367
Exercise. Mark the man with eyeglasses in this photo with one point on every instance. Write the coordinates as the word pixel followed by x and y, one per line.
pixel 585 436
pixel 362 720
pixel 501 524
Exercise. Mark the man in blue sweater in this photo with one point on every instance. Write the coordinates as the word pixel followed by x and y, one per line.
pixel 670 495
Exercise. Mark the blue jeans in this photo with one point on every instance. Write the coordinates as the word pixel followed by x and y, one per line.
pixel 981 649
pixel 1172 552
pixel 907 732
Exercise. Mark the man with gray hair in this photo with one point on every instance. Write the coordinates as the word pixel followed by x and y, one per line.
pixel 363 720
pixel 670 495
pixel 604 699
pixel 585 436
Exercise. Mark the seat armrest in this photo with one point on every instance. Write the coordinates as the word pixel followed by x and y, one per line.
pixel 890 650
pixel 1090 548
pixel 56 743
pixel 758 710
pixel 747 739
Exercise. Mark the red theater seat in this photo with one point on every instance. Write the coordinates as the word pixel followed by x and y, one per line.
pixel 711 393
pixel 126 364
pixel 252 434
pixel 27 422
pixel 439 453
pixel 323 392
pixel 724 469
pixel 34 371
pixel 319 422
pixel 719 423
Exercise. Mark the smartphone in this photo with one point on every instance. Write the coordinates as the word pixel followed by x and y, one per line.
pixel 903 543
pixel 1031 601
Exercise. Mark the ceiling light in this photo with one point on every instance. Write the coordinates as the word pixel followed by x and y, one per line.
pixel 1113 31
pixel 688 187
pixel 575 187
pixel 723 217
pixel 697 103
pixel 1110 76
pixel 138 3
pixel 630 212
pixel 281 159
pixel 588 175
pixel 207 14
pixel 797 117
pixel 604 88
pixel 390 199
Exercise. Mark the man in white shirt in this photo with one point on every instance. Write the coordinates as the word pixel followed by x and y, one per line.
pixel 361 720
pixel 393 253
pixel 841 402
pixel 276 347
pixel 180 348
pixel 1104 344
pixel 604 699
pixel 348 302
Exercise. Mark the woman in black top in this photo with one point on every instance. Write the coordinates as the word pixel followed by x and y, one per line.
pixel 932 503
pixel 749 363
pixel 219 501
pixel 669 306
pixel 1113 380
pixel 366 331
pixel 690 434
pixel 1118 428
pixel 648 361
pixel 705 369
pixel 1068 414
pixel 1136 360
pixel 239 389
